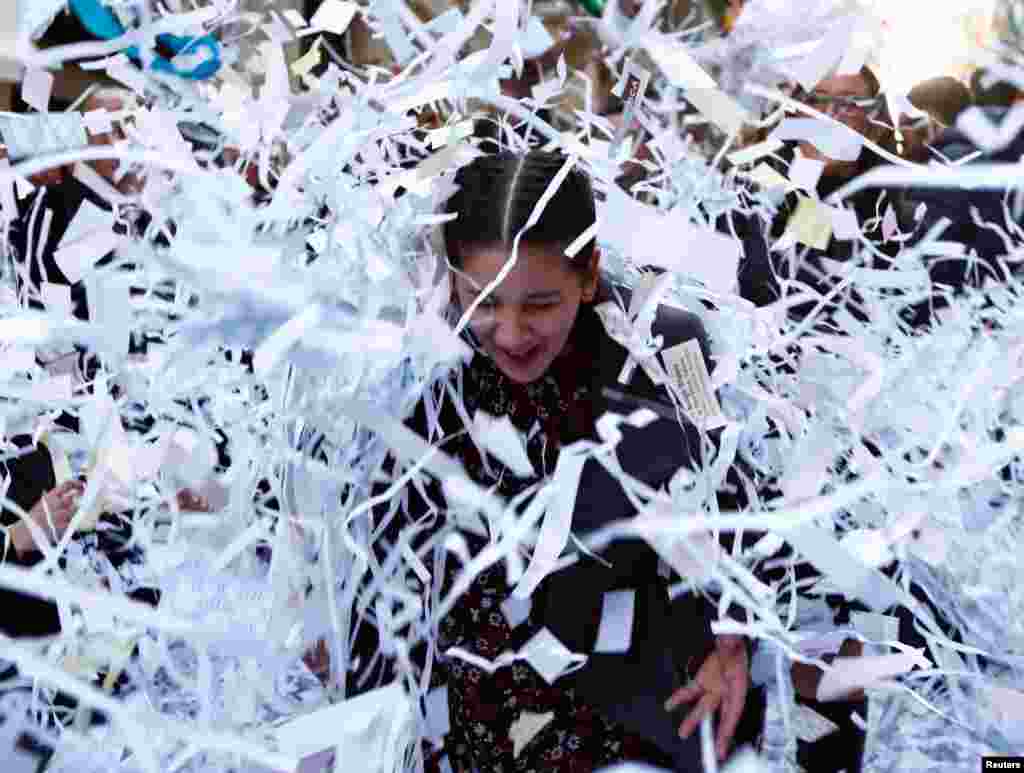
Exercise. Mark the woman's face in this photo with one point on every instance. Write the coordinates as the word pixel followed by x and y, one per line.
pixel 525 323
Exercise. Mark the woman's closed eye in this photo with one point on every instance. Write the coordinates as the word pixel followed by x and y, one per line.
pixel 540 305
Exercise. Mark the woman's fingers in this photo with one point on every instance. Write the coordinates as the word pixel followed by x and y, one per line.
pixel 732 710
pixel 60 500
pixel 72 491
pixel 72 487
pixel 684 694
pixel 52 514
pixel 707 706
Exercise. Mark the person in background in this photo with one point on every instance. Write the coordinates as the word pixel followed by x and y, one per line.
pixel 987 92
pixel 854 100
pixel 969 210
pixel 943 99
pixel 28 478
pixel 972 212
pixel 28 470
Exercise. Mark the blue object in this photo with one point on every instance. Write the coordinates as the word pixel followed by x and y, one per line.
pixel 102 23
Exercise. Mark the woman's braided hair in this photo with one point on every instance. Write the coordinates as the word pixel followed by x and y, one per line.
pixel 497 193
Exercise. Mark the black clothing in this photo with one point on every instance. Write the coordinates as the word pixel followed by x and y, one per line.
pixel 958 205
pixel 31 476
pixel 760 269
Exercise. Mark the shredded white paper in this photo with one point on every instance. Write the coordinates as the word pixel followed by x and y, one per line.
pixel 887 461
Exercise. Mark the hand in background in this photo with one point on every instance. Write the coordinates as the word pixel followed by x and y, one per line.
pixel 47 177
pixel 191 502
pixel 318 660
pixel 112 101
pixel 109 100
pixel 61 502
pixel 720 685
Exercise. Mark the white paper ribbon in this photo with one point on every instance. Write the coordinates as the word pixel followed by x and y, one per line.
pixel 642 348
pixel 554 532
pixel 41 134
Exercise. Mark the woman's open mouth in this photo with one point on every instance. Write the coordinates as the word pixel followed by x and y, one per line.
pixel 521 360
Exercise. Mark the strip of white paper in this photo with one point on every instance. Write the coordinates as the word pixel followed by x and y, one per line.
pixel 554 531
pixel 615 632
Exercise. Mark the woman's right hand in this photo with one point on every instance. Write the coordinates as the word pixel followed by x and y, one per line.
pixel 62 503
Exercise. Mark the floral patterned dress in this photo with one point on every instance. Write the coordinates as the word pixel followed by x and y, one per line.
pixel 484 707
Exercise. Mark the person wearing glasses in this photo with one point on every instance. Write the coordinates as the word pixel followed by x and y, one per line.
pixel 977 218
pixel 853 100
pixel 856 101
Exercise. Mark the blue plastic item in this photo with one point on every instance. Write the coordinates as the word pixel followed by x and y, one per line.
pixel 102 23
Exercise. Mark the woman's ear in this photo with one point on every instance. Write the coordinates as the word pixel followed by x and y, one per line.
pixel 453 293
pixel 591 276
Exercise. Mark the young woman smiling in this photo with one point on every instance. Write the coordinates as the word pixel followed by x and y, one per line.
pixel 542 358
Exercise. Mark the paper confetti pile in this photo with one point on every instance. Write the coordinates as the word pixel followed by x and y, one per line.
pixel 312 248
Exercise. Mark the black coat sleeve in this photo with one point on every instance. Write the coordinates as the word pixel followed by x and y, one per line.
pixel 756 272
pixel 30 476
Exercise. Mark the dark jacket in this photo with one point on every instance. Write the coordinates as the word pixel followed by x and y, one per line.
pixel 63 201
pixel 957 205
pixel 667 637
pixel 759 266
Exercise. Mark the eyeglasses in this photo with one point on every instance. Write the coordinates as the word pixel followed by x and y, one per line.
pixel 839 104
